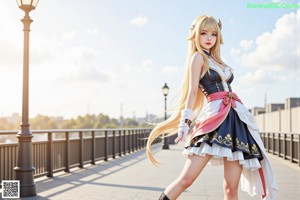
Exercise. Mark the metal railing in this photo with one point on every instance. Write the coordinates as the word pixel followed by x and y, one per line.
pixel 65 149
pixel 284 145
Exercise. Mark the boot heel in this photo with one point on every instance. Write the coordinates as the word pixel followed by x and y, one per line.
pixel 163 197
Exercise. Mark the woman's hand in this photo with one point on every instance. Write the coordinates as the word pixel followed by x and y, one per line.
pixel 187 115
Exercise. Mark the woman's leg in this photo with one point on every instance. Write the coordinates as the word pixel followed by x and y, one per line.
pixel 193 167
pixel 232 174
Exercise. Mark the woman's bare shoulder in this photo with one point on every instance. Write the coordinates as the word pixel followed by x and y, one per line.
pixel 197 60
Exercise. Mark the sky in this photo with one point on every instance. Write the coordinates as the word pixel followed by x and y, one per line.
pixel 113 57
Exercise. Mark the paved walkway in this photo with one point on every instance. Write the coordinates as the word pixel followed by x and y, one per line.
pixel 133 177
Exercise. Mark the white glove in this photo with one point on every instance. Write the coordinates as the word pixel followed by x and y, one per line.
pixel 183 127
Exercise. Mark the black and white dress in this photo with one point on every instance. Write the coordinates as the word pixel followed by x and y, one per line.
pixel 234 135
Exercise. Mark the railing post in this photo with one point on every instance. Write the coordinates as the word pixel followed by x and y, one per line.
pixel 50 155
pixel 273 143
pixel 133 140
pixel 141 138
pixel 138 139
pixel 80 149
pixel 291 147
pixel 263 138
pixel 120 143
pixel 284 146
pixel 299 149
pixel 67 156
pixel 124 144
pixel 129 141
pixel 93 148
pixel 114 144
pixel 268 143
pixel 106 146
pixel 145 135
pixel 279 144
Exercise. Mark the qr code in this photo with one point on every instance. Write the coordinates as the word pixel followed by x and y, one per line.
pixel 10 189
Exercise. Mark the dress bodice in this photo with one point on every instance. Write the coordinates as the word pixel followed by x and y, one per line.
pixel 216 79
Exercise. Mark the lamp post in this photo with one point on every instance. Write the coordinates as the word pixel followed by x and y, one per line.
pixel 24 169
pixel 165 91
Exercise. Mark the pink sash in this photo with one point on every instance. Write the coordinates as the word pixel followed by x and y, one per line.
pixel 216 120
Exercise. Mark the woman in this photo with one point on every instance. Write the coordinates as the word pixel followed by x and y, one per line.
pixel 224 132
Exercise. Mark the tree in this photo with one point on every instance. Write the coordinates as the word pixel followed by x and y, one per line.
pixel 68 124
pixel 42 122
pixel 131 123
pixel 5 125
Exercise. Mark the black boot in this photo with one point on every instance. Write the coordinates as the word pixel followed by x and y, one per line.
pixel 163 197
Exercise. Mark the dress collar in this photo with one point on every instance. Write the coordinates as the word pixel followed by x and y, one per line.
pixel 207 52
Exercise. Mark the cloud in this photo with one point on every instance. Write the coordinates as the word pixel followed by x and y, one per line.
pixel 83 54
pixel 91 31
pixel 58 61
pixel 69 35
pixel 235 53
pixel 171 70
pixel 246 44
pixel 144 67
pixel 10 54
pixel 139 21
pixel 55 50
pixel 259 76
pixel 90 73
pixel 276 50
pixel 147 62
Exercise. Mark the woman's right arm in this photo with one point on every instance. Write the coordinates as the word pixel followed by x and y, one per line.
pixel 187 114
pixel 196 65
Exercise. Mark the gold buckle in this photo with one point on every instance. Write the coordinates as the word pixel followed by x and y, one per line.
pixel 229 95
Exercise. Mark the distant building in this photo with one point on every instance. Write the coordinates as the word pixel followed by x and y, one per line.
pixel 279 117
pixel 291 103
pixel 274 106
pixel 149 118
pixel 257 110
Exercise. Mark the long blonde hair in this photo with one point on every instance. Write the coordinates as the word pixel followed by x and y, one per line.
pixel 170 126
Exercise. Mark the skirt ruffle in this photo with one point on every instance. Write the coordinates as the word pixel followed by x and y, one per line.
pixel 232 140
pixel 218 153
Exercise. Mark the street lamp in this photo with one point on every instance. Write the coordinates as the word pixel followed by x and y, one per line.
pixel 165 91
pixel 24 169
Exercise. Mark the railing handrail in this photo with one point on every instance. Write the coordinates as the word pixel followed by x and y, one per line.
pixel 276 132
pixel 42 131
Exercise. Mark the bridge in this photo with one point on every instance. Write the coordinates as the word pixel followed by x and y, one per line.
pixel 119 168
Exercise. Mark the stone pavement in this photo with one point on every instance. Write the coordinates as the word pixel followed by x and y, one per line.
pixel 133 177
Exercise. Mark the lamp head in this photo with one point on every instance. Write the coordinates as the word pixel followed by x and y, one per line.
pixel 165 89
pixel 27 5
